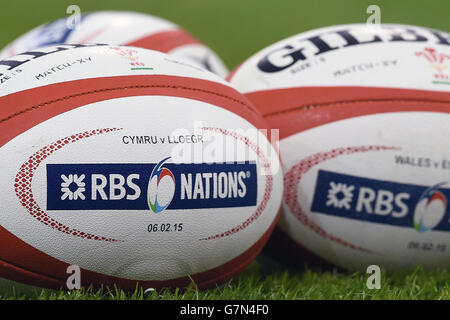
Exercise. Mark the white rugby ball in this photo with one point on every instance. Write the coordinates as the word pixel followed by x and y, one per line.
pixel 120 28
pixel 130 173
pixel 364 119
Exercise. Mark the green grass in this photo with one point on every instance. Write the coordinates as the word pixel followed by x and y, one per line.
pixel 257 283
pixel 235 29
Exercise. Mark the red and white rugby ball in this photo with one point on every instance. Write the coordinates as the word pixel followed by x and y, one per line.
pixel 132 165
pixel 364 119
pixel 120 28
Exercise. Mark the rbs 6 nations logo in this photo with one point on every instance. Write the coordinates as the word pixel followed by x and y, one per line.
pixel 405 205
pixel 156 187
pixel 159 176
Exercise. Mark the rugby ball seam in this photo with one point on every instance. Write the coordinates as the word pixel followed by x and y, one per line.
pixel 343 103
pixel 44 104
pixel 200 279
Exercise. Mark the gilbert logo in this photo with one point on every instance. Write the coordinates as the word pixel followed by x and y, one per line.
pixel 437 61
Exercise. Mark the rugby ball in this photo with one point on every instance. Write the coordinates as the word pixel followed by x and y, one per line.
pixel 131 165
pixel 364 119
pixel 120 28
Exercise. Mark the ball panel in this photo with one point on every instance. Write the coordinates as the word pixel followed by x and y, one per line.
pixel 49 272
pixel 164 41
pixel 295 110
pixel 108 148
pixel 42 103
pixel 348 198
